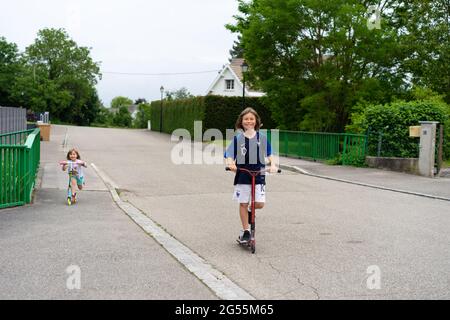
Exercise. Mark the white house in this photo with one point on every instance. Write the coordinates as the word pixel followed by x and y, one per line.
pixel 229 82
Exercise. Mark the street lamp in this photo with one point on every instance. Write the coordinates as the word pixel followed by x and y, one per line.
pixel 244 68
pixel 160 112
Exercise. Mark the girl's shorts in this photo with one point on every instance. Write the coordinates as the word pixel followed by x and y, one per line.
pixel 80 180
pixel 243 192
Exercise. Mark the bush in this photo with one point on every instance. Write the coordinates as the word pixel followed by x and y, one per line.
pixel 393 120
pixel 122 118
pixel 143 115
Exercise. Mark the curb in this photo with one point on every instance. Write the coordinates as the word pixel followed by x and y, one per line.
pixel 215 280
pixel 303 171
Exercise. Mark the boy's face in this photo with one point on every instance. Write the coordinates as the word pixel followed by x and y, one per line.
pixel 249 121
pixel 73 156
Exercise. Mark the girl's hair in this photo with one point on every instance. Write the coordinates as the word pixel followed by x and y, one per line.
pixel 73 150
pixel 238 124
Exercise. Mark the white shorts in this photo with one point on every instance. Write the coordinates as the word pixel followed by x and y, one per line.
pixel 242 193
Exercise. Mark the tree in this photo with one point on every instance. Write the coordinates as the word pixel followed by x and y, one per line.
pixel 120 101
pixel 9 70
pixel 139 101
pixel 122 118
pixel 181 93
pixel 424 28
pixel 143 115
pixel 237 51
pixel 59 77
pixel 316 59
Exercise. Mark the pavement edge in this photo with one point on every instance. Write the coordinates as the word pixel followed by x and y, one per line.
pixel 223 287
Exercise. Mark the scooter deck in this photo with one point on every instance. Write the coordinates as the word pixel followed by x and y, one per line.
pixel 241 242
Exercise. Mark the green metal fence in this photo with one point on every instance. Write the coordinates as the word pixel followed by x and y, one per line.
pixel 320 145
pixel 19 162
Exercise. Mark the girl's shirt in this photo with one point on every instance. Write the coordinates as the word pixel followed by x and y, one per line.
pixel 78 167
pixel 249 154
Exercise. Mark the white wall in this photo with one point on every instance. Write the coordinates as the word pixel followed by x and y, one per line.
pixel 220 88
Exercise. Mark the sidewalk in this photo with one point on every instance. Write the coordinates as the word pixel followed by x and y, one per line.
pixel 385 179
pixel 116 259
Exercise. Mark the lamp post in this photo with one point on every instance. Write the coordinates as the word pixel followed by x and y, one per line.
pixel 244 68
pixel 160 112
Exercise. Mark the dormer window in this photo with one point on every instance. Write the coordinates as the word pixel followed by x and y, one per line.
pixel 229 84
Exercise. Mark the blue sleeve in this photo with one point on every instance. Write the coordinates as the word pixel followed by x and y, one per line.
pixel 231 149
pixel 266 142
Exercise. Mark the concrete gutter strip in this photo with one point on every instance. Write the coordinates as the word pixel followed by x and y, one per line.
pixel 223 287
pixel 302 171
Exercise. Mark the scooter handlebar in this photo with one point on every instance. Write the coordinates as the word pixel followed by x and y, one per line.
pixel 228 169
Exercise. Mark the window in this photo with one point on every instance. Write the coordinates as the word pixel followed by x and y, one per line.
pixel 229 84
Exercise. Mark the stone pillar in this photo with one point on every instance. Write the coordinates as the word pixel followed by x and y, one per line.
pixel 427 148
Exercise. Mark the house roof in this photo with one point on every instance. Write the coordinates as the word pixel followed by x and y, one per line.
pixel 235 67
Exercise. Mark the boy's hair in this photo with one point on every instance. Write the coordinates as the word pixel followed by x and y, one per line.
pixel 238 124
pixel 73 150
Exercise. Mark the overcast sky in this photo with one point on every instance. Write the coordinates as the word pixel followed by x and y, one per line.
pixel 134 36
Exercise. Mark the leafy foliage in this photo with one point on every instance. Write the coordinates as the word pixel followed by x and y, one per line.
pixel 143 115
pixel 53 74
pixel 392 122
pixel 215 111
pixel 317 59
pixel 120 101
pixel 122 118
pixel 182 93
pixel 9 69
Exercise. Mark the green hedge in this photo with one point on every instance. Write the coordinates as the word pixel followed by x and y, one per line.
pixel 222 112
pixel 393 121
pixel 215 112
pixel 177 114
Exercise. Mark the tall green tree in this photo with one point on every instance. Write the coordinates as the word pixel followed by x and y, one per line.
pixel 60 77
pixel 9 70
pixel 316 58
pixel 237 51
pixel 182 93
pixel 120 101
pixel 424 30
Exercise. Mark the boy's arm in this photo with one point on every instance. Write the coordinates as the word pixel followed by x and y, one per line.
pixel 231 164
pixel 274 162
pixel 230 154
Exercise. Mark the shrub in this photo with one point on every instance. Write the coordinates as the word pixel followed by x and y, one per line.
pixel 393 120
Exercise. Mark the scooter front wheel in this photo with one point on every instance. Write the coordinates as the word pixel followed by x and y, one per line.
pixel 69 201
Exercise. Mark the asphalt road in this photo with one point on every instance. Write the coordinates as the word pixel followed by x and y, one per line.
pixel 316 238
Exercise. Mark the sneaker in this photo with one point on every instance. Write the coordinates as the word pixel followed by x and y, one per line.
pixel 245 236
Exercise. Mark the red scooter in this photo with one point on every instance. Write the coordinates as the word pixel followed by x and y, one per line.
pixel 253 174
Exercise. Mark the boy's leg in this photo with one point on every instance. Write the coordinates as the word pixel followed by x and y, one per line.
pixel 244 215
pixel 258 205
